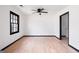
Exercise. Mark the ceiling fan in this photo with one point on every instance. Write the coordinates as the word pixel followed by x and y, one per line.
pixel 40 10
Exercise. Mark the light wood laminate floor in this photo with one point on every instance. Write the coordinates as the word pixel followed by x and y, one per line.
pixel 40 45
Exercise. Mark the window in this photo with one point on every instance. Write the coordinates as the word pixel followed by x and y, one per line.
pixel 14 23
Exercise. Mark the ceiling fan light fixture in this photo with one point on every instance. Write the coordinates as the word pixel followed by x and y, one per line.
pixel 21 5
pixel 40 10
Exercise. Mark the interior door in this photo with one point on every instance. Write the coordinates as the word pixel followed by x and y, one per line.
pixel 64 25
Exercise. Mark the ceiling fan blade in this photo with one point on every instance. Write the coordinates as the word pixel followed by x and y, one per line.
pixel 39 13
pixel 44 12
pixel 42 9
pixel 34 10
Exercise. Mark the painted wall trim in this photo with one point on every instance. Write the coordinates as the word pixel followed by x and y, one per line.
pixel 37 36
pixel 29 36
pixel 11 43
pixel 41 36
pixel 73 47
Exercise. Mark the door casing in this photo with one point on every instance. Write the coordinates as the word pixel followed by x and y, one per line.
pixel 61 24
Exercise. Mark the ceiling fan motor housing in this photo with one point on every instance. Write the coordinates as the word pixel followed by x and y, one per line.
pixel 38 10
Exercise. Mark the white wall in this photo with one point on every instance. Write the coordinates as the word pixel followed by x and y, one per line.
pixel 74 26
pixel 57 19
pixel 45 24
pixel 36 24
pixel 5 37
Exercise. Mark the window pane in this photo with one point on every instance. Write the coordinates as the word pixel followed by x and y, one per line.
pixel 11 20
pixel 15 25
pixel 12 25
pixel 16 17
pixel 13 16
pixel 14 22
pixel 12 29
pixel 15 29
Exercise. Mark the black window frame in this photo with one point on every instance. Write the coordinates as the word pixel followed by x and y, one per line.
pixel 16 19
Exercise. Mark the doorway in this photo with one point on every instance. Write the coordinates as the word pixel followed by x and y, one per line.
pixel 64 26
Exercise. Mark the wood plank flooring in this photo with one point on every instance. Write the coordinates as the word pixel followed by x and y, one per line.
pixel 40 45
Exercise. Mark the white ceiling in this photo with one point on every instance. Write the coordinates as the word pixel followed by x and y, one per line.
pixel 50 8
